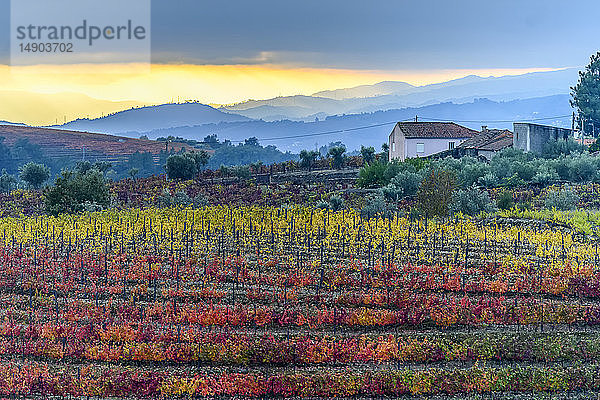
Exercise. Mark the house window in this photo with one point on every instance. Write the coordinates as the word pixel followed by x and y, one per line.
pixel 393 147
pixel 450 145
pixel 420 147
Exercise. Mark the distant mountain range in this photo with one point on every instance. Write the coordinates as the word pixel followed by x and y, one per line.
pixel 297 135
pixel 395 95
pixel 297 122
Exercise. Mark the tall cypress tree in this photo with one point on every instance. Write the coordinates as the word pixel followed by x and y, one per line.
pixel 586 97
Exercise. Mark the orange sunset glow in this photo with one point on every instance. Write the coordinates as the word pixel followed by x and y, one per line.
pixel 46 94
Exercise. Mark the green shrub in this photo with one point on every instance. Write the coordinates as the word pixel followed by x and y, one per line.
pixel 338 157
pixel 471 202
pixel 375 207
pixel 565 199
pixel 34 174
pixel 394 168
pixel 435 192
pixel 367 154
pixel 372 175
pixel 562 167
pixel 76 191
pixel 406 183
pixel 505 200
pixel 7 182
pixel 322 205
pixel 545 176
pixel 336 203
pixel 582 168
pixel 181 167
pixel 513 181
pixel 501 168
pixel 524 170
pixel 489 180
pixel 557 148
pixel 471 172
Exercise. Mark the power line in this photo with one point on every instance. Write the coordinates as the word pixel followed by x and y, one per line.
pixel 395 122
pixel 357 128
pixel 328 132
pixel 498 121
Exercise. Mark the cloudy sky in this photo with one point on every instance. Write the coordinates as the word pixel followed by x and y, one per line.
pixel 223 52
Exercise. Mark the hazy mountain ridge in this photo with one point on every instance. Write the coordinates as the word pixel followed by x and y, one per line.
pixel 360 99
pixel 278 133
pixel 154 117
pixel 471 98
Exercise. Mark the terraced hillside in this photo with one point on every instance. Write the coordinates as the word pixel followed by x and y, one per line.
pixel 98 147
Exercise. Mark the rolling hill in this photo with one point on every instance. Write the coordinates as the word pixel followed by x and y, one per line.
pixel 58 143
pixel 153 117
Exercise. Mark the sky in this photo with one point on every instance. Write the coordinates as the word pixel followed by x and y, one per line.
pixel 226 52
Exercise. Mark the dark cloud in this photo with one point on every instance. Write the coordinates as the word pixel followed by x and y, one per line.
pixel 375 34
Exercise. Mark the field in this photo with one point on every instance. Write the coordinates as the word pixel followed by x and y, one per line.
pixel 291 301
pixel 58 143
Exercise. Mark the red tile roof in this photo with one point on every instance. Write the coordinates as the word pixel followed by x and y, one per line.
pixel 490 139
pixel 435 130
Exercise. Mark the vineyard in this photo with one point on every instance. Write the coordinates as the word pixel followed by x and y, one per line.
pixel 263 301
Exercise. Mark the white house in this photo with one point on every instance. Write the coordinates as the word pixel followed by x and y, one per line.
pixel 422 139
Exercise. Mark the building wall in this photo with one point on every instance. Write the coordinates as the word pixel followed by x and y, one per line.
pixel 396 143
pixel 488 154
pixel 431 146
pixel 533 137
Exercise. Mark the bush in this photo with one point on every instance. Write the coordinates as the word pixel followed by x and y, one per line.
pixel 435 192
pixel 76 192
pixel 471 172
pixel 513 181
pixel 367 154
pixel 582 168
pixel 322 205
pixel 338 157
pixel 7 182
pixel 308 159
pixel 405 184
pixel 489 180
pixel 181 167
pixel 565 199
pixel 505 201
pixel 34 174
pixel 562 167
pixel 336 203
pixel 545 176
pixel 375 207
pixel 524 170
pixel 372 175
pixel 557 148
pixel 471 202
pixel 242 171
pixel 394 168
pixel 501 168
